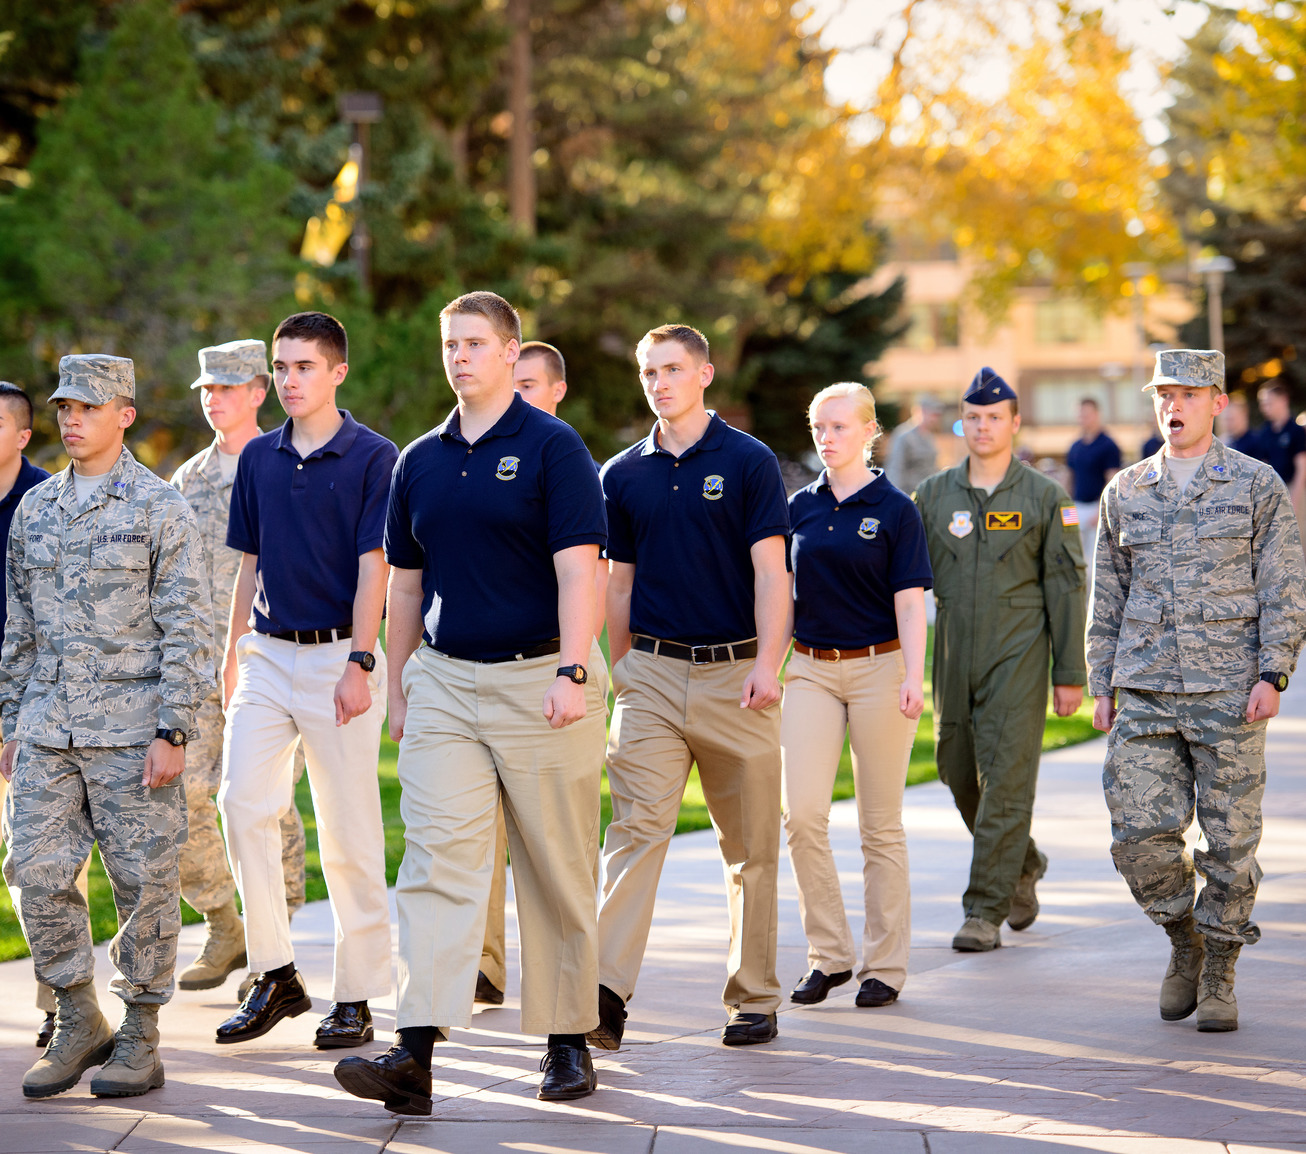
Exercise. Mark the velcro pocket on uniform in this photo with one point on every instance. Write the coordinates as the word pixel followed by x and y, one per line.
pixel 1230 608
pixel 1140 533
pixel 1239 528
pixel 121 551
pixel 40 553
pixel 127 666
pixel 1024 601
pixel 1143 606
pixel 46 667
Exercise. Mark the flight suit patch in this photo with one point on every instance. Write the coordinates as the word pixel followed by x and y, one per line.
pixel 961 524
pixel 1069 516
pixel 994 520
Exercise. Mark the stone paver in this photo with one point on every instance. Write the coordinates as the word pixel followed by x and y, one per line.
pixel 1051 1044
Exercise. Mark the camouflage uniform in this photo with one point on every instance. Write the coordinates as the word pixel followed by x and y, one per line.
pixel 206 881
pixel 109 638
pixel 1196 594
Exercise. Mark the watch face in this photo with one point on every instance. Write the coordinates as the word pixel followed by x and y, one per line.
pixel 1281 682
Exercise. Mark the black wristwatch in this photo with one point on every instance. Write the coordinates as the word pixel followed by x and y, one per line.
pixel 171 736
pixel 1278 680
pixel 366 660
pixel 576 673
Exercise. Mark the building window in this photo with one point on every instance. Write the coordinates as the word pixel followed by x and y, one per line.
pixel 932 326
pixel 1065 321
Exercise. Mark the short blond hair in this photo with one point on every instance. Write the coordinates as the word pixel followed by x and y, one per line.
pixel 863 404
pixel 689 338
pixel 502 316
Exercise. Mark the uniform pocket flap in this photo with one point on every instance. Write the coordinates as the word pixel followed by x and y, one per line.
pixel 1140 533
pixel 1024 601
pixel 1230 608
pixel 121 551
pixel 46 667
pixel 126 666
pixel 1226 527
pixel 1144 607
pixel 40 552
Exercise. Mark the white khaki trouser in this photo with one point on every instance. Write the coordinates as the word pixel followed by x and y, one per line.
pixel 823 702
pixel 669 715
pixel 285 692
pixel 475 734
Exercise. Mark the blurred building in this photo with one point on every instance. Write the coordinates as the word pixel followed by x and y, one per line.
pixel 1055 350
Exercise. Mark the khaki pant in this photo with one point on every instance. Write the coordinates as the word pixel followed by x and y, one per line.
pixel 669 715
pixel 475 736
pixel 494 949
pixel 824 700
pixel 284 693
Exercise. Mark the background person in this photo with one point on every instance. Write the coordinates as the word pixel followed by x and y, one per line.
pixel 861 568
pixel 1283 443
pixel 1092 460
pixel 1009 580
pixel 699 611
pixel 308 513
pixel 233 381
pixel 913 452
pixel 1199 613
pixel 108 654
pixel 1236 430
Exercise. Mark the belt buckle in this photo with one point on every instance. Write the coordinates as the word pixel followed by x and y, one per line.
pixel 838 654
pixel 694 651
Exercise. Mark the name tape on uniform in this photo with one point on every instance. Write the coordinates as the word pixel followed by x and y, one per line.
pixel 994 520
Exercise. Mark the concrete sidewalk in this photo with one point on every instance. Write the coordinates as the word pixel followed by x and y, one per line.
pixel 1050 1044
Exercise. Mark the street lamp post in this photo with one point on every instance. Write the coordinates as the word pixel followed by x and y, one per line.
pixel 1213 269
pixel 1134 272
pixel 361 109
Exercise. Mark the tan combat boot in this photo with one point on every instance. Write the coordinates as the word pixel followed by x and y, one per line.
pixel 224 950
pixel 82 1039
pixel 1217 1009
pixel 135 1067
pixel 1024 902
pixel 976 936
pixel 1179 986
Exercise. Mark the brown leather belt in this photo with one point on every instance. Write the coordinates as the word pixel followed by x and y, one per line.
pixel 847 654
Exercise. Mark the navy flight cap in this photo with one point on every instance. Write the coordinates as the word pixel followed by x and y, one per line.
pixel 988 389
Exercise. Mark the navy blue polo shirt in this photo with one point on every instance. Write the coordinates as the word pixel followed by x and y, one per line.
pixel 309 520
pixel 849 558
pixel 1089 463
pixel 1152 446
pixel 482 522
pixel 1279 449
pixel 687 524
pixel 29 476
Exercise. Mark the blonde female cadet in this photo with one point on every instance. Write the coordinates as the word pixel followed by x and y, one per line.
pixel 861 569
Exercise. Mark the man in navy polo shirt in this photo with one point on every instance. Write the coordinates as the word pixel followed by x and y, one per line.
pixel 698 622
pixel 308 515
pixel 494 528
pixel 1092 460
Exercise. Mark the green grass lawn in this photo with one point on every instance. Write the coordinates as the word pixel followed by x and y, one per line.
pixel 693 815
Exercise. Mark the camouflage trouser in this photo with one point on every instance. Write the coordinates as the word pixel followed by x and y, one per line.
pixel 65 800
pixel 206 881
pixel 1168 755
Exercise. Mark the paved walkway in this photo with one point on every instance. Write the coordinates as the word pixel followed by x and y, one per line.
pixel 1052 1044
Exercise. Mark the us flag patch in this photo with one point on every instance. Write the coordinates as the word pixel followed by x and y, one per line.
pixel 1069 515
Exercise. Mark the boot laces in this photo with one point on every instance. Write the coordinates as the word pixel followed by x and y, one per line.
pixel 1216 971
pixel 66 1021
pixel 1184 943
pixel 130 1040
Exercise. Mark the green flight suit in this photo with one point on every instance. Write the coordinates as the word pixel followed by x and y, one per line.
pixel 1009 580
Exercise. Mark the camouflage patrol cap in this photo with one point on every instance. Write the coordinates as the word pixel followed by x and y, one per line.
pixel 232 364
pixel 94 379
pixel 1199 368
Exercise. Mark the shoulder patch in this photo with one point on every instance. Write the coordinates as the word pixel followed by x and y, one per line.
pixel 1069 516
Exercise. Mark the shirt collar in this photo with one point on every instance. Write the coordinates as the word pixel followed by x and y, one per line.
pixel 29 476
pixel 1215 466
pixel 338 446
pixel 961 472
pixel 712 437
pixel 116 484
pixel 868 494
pixel 451 428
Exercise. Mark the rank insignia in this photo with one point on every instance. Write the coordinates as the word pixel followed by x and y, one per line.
pixel 714 487
pixel 868 528
pixel 961 525
pixel 507 469
pixel 1002 521
pixel 1069 516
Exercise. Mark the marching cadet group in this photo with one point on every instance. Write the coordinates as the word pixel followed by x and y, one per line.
pixel 176 652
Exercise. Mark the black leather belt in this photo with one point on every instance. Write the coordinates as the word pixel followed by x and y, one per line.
pixel 314 636
pixel 695 654
pixel 541 650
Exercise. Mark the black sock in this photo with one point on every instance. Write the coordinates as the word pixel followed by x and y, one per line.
pixel 356 1005
pixel 282 973
pixel 576 1041
pixel 420 1041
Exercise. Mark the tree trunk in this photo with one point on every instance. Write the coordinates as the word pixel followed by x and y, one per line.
pixel 521 146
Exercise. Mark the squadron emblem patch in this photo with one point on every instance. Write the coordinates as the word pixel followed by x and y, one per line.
pixel 868 528
pixel 961 524
pixel 507 469
pixel 714 487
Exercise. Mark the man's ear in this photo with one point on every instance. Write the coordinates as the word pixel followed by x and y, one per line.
pixel 23 438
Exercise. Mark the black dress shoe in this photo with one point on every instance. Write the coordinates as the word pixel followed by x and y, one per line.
pixel 347 1024
pixel 568 1073
pixel 749 1029
pixel 46 1030
pixel 487 992
pixel 816 985
pixel 267 1002
pixel 612 1022
pixel 394 1078
pixel 875 993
